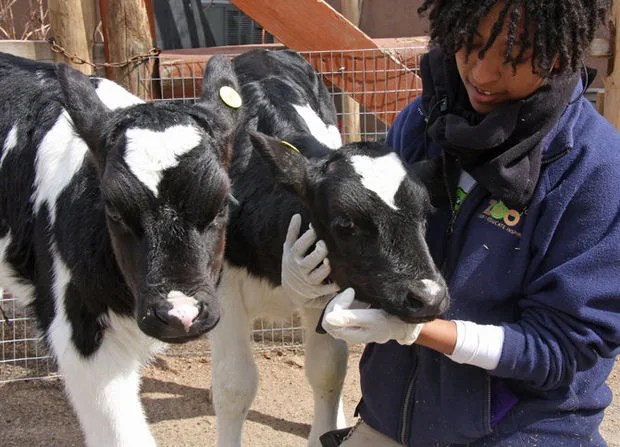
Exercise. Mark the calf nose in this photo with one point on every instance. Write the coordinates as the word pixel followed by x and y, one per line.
pixel 177 317
pixel 184 308
pixel 427 293
pixel 414 300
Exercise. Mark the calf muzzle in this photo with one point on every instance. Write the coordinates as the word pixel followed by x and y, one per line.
pixel 179 318
pixel 425 300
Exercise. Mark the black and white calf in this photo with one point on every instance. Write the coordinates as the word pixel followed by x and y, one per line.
pixel 361 200
pixel 112 227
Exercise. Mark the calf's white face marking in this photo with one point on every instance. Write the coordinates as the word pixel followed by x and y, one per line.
pixel 328 135
pixel 382 175
pixel 61 153
pixel 151 152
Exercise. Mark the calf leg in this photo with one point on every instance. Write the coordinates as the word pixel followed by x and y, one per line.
pixel 234 374
pixel 104 388
pixel 326 367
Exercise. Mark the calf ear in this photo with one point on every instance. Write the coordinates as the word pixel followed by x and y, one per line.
pixel 220 102
pixel 430 174
pixel 221 132
pixel 220 89
pixel 83 105
pixel 288 165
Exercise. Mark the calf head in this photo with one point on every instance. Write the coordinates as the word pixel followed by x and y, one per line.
pixel 164 191
pixel 371 212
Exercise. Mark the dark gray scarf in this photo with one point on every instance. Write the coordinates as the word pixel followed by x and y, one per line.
pixel 501 150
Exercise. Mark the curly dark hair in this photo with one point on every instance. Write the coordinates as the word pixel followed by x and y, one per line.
pixel 559 32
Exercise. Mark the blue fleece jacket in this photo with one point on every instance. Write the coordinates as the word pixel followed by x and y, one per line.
pixel 549 275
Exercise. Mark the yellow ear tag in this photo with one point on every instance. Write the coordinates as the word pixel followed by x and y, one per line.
pixel 230 97
pixel 286 143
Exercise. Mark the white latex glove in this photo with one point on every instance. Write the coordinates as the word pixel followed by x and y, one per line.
pixel 302 276
pixel 353 325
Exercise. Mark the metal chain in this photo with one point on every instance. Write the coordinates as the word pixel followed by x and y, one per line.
pixel 348 435
pixel 135 60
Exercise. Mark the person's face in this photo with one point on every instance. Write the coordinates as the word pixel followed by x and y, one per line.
pixel 491 81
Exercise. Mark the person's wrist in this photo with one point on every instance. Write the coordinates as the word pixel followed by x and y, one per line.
pixel 439 335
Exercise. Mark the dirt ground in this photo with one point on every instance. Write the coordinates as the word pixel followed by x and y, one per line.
pixel 177 401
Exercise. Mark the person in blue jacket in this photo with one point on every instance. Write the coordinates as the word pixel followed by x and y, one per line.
pixel 528 241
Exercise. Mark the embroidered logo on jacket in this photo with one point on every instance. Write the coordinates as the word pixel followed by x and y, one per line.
pixel 503 217
pixel 460 197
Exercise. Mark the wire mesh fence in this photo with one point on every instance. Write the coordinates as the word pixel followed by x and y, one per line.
pixel 368 87
pixel 22 352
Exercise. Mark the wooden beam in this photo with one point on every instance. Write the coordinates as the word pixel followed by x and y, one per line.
pixel 612 81
pixel 305 25
pixel 127 34
pixel 314 26
pixel 73 25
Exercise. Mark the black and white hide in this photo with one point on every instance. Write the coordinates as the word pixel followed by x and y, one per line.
pixel 362 201
pixel 112 227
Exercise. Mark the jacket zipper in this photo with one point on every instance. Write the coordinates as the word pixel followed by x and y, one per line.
pixel 407 403
pixel 488 416
pixel 451 203
pixel 448 268
pixel 447 265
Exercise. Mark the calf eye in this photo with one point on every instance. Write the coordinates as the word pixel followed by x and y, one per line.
pixel 233 200
pixel 223 211
pixel 218 220
pixel 113 214
pixel 344 226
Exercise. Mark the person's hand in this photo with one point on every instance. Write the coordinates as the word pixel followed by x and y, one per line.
pixel 303 275
pixel 354 325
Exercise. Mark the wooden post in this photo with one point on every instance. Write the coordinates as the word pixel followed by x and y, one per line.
pixel 73 24
pixel 351 9
pixel 127 33
pixel 612 81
